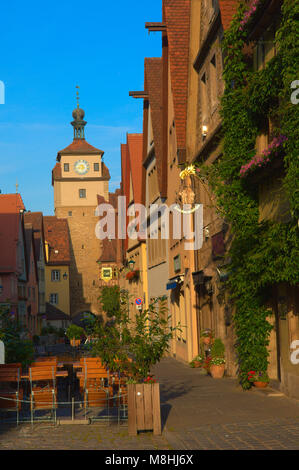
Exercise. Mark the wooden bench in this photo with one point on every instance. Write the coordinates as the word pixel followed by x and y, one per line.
pixel 46 359
pixel 92 364
pixel 11 395
pixel 43 394
pixel 96 389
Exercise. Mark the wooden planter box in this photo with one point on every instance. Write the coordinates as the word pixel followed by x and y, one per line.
pixel 144 411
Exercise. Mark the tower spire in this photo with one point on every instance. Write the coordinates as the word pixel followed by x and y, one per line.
pixel 78 123
pixel 78 97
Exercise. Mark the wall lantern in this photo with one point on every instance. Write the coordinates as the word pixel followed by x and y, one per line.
pixel 209 288
pixel 65 276
pixel 204 131
pixel 131 264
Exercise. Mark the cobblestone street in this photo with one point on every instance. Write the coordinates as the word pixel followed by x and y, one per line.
pixel 197 413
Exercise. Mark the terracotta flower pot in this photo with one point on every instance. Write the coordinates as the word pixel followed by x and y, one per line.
pixel 217 372
pixel 197 364
pixel 260 384
pixel 207 340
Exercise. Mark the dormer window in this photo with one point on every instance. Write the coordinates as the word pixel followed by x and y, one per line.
pixel 66 167
pixel 96 167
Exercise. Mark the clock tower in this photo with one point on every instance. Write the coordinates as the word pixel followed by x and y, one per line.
pixel 79 177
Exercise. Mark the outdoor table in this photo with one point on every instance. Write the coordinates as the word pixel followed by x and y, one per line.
pixel 76 365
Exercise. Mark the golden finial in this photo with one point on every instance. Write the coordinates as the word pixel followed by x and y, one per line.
pixel 78 97
pixel 17 187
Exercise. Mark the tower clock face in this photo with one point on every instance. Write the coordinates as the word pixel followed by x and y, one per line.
pixel 81 167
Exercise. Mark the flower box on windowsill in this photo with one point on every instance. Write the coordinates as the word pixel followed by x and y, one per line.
pixel 132 275
pixel 268 155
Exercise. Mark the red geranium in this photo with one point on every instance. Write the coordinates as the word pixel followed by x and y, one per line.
pixel 149 380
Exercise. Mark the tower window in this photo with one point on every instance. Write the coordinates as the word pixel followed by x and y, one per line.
pixel 70 213
pixel 82 193
pixel 96 167
pixel 54 299
pixel 66 167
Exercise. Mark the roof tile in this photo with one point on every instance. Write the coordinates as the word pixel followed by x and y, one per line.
pixel 177 17
pixel 79 147
pixel 56 234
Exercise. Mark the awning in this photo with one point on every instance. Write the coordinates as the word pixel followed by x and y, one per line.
pixel 175 282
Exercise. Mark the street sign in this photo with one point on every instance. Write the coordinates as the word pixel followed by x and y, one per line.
pixel 139 307
pixel 107 274
pixel 138 301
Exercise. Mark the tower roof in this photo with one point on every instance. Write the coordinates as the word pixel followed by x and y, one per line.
pixel 79 147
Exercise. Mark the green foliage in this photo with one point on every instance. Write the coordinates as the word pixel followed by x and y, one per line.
pixel 110 300
pixel 217 349
pixel 17 349
pixel 134 345
pixel 49 330
pixel 261 254
pixel 75 332
pixel 150 338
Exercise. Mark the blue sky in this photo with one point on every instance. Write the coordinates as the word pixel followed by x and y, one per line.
pixel 47 48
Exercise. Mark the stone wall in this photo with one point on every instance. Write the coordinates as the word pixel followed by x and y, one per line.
pixel 85 251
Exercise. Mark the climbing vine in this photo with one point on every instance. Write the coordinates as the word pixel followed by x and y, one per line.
pixel 265 253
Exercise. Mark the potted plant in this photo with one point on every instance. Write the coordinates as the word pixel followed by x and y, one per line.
pixel 197 362
pixel 132 347
pixel 260 379
pixel 217 364
pixel 74 334
pixel 207 336
pixel 207 364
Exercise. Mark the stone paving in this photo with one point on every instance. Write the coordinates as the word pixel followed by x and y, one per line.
pixel 204 413
pixel 197 413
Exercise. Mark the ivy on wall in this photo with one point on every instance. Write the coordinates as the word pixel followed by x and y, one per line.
pixel 266 253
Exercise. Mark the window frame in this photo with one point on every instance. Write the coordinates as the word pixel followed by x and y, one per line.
pixel 55 278
pixel 82 191
pixel 56 298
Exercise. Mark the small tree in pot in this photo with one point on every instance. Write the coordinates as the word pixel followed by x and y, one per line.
pixel 217 363
pixel 133 346
pixel 74 334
